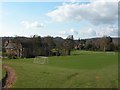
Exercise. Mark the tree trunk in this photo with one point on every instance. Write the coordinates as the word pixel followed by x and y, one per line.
pixel 104 48
pixel 68 52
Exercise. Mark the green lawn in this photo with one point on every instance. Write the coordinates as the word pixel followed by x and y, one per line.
pixel 83 69
pixel 0 68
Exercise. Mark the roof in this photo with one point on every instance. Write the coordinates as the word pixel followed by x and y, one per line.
pixel 25 43
pixel 10 45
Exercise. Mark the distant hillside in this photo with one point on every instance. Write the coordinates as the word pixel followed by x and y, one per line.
pixel 60 39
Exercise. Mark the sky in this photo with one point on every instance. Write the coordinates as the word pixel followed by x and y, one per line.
pixel 59 19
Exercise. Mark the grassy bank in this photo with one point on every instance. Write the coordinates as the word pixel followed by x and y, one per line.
pixel 83 69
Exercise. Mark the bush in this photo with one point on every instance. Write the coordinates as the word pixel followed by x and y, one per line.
pixel 12 56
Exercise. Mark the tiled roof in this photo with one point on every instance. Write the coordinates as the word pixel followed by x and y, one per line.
pixel 10 45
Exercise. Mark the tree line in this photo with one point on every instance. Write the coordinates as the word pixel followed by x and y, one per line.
pixel 50 46
pixel 105 43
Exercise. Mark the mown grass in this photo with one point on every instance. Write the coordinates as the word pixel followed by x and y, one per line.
pixel 81 70
pixel 0 68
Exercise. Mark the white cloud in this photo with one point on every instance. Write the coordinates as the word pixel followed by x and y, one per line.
pixel 106 0
pixel 65 33
pixel 74 31
pixel 34 24
pixel 95 12
pixel 88 33
pixel 110 30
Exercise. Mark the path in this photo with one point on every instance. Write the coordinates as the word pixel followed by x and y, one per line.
pixel 10 78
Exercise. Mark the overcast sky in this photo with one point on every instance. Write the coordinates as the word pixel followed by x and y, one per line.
pixel 81 19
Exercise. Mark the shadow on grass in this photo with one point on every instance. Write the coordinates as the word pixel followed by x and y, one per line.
pixel 4 80
pixel 0 84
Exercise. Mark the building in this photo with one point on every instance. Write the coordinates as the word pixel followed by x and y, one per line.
pixel 17 49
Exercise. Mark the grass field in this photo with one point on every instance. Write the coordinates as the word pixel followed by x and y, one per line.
pixel 0 68
pixel 83 69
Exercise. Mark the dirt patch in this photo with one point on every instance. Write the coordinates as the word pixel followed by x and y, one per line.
pixel 10 78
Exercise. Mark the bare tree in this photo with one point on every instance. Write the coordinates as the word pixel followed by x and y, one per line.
pixel 68 44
